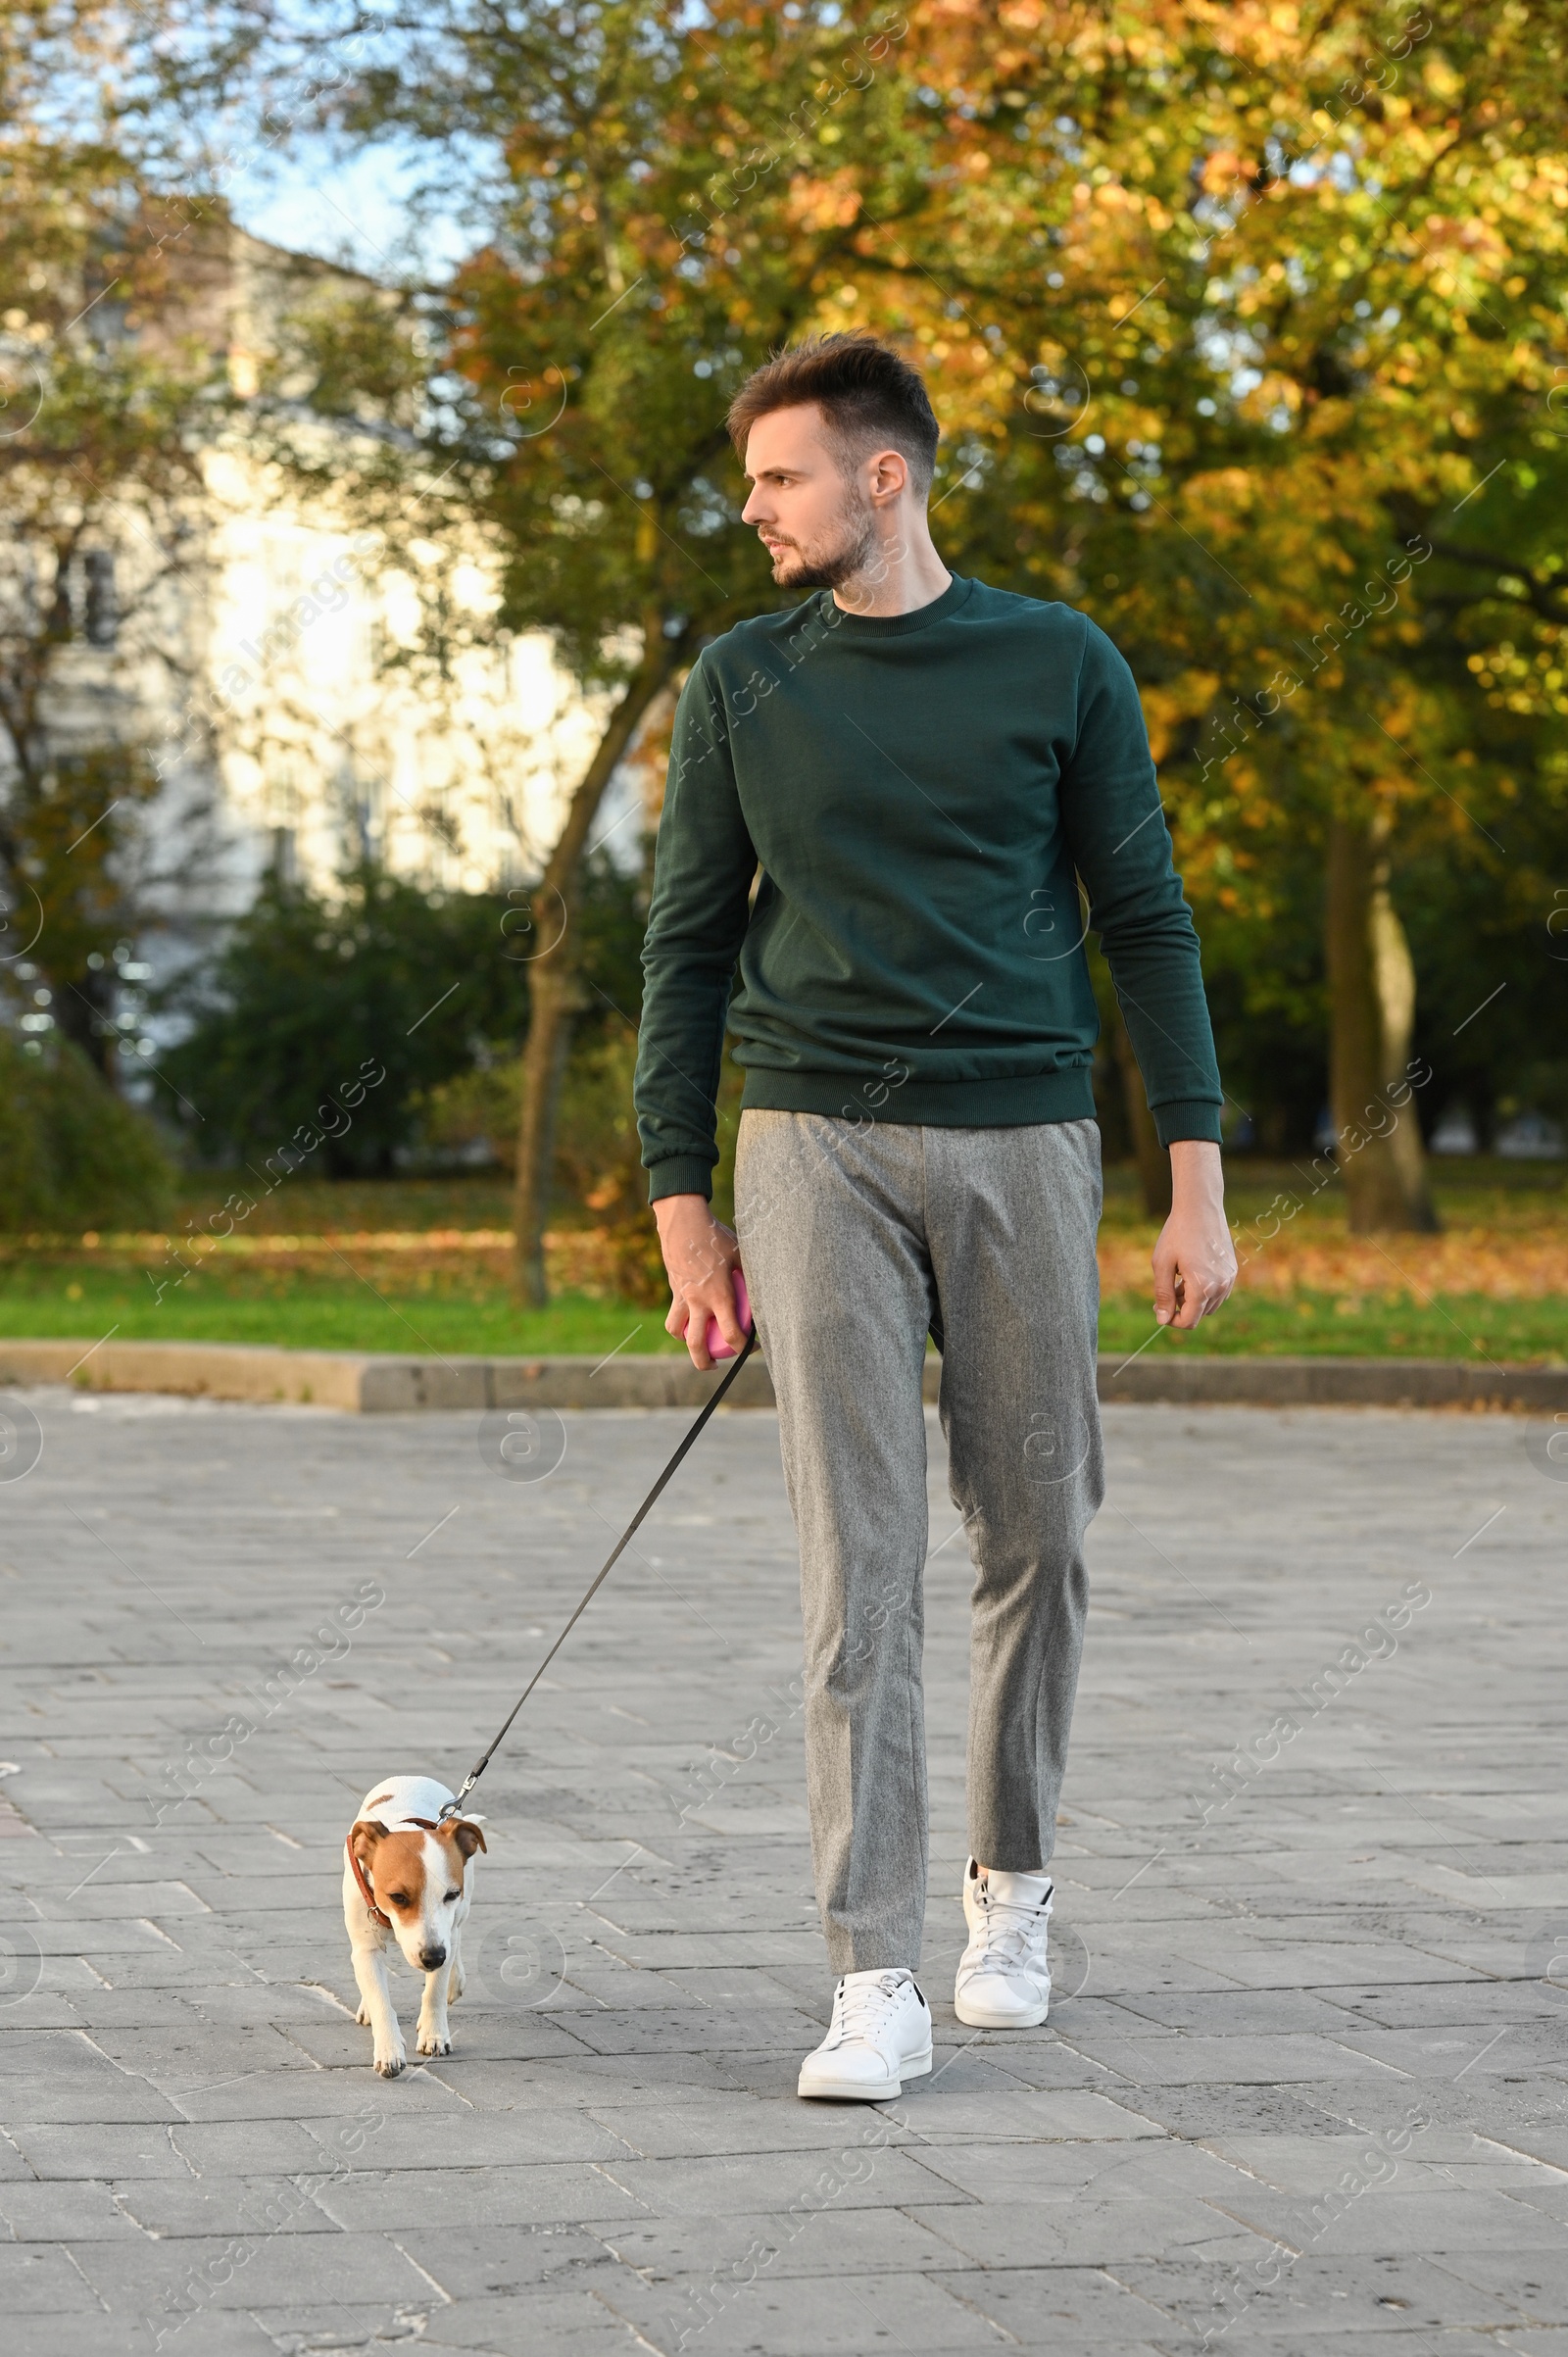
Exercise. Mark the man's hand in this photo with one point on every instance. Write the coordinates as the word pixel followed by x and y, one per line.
pixel 700 1256
pixel 1195 1260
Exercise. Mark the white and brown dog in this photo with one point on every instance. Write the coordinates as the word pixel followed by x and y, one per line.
pixel 409 1876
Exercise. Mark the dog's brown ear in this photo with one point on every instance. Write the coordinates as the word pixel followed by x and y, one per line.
pixel 363 1838
pixel 466 1834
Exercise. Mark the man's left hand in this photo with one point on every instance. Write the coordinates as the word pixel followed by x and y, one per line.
pixel 1195 1260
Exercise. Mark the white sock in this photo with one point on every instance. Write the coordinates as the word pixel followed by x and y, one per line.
pixel 1018 1889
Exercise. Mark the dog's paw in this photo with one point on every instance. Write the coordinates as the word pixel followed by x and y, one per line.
pixel 430 2043
pixel 392 2064
pixel 362 2017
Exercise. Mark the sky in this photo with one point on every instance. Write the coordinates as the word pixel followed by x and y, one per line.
pixel 354 210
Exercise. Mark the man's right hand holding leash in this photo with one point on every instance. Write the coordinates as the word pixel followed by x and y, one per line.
pixel 701 1257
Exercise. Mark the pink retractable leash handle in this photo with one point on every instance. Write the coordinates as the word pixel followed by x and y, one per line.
pixel 717 1347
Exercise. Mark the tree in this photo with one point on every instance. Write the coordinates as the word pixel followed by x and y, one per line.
pixel 1260 348
pixel 1246 330
pixel 99 485
pixel 671 197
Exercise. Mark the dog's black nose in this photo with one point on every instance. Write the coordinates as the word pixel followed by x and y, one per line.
pixel 432 1958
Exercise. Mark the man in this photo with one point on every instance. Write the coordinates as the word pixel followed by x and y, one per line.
pixel 916 770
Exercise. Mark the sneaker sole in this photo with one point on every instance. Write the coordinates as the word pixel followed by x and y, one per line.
pixel 858 2091
pixel 978 2018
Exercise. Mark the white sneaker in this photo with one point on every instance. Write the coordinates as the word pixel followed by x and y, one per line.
pixel 881 2035
pixel 1004 1980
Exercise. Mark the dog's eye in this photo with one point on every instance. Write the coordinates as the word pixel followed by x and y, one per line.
pixel 453 1897
pixel 397 1898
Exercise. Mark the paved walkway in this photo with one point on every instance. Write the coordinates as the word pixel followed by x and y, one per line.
pixel 1306 2084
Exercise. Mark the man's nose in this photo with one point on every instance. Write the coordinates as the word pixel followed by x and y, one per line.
pixel 432 1955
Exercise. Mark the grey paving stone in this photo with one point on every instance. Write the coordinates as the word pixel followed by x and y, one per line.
pixel 99 2148
pixel 1456 2004
pixel 215 2333
pixel 41 2278
pixel 1240 2003
pixel 318 2094
pixel 1087 2234
pixel 801 2315
pixel 829 2241
pixel 483 2260
pixel 1241 2299
pixel 1216 2061
pixel 254 2270
pixel 176 2208
pixel 566 2324
pixel 861 2174
pixel 1063 2307
pixel 539 2193
pixel 80 2211
pixel 1533 2282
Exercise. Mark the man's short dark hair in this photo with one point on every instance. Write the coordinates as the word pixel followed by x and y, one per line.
pixel 868 394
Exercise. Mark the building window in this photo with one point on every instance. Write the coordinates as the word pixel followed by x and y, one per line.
pixel 83 600
pixel 100 612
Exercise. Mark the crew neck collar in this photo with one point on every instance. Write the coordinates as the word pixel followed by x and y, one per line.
pixel 896 625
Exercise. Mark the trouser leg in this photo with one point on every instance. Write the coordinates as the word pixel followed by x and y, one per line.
pixel 1011 1216
pixel 829 1223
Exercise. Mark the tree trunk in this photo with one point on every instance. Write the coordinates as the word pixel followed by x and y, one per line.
pixel 81 1008
pixel 1153 1163
pixel 553 996
pixel 554 991
pixel 1372 1010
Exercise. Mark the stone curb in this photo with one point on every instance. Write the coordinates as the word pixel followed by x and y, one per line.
pixel 372 1384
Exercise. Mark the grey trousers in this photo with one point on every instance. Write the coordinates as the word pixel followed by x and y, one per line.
pixel 854 1239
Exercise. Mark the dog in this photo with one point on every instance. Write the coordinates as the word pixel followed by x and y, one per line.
pixel 408 1875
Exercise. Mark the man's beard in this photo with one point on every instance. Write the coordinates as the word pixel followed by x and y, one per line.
pixel 830 566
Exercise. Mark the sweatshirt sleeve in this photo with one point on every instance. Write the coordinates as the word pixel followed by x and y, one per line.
pixel 703 863
pixel 1123 848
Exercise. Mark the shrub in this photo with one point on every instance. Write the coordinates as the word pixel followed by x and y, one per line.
pixel 309 992
pixel 73 1155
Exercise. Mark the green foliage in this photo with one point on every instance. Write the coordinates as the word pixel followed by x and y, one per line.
pixel 1246 331
pixel 475 1114
pixel 669 199
pixel 309 994
pixel 72 1155
pixel 427 986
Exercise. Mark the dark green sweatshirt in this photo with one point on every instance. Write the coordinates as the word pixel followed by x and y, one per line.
pixel 922 794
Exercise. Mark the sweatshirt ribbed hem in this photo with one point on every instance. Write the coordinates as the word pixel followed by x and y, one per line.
pixel 681 1174
pixel 1187 1117
pixel 1011 1102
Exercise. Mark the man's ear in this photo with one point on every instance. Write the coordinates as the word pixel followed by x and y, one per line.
pixel 467 1835
pixel 362 1839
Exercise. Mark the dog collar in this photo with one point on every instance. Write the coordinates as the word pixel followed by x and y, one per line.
pixel 366 1892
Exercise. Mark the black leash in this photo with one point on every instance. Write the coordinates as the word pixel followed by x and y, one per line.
pixel 454 1807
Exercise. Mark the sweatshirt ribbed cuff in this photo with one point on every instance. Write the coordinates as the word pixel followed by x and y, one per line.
pixel 1187 1117
pixel 680 1174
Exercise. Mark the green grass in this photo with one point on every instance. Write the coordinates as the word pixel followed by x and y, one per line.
pixel 1316 1325
pixel 305 1311
pixel 309 1312
pixel 1473 1191
pixel 67 1292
